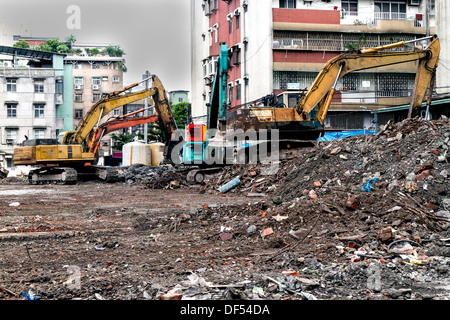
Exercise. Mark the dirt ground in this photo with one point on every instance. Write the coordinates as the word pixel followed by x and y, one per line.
pixel 270 238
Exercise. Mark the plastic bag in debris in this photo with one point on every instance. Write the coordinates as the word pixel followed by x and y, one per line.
pixel 30 295
pixel 368 186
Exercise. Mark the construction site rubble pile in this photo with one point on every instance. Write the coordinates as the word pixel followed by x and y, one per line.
pixel 345 206
pixel 163 177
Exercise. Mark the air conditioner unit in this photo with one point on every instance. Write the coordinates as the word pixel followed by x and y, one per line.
pixel 7 64
pixel 78 87
pixel 95 87
pixel 414 2
pixel 9 141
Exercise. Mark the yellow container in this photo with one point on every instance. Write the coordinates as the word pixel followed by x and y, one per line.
pixel 157 150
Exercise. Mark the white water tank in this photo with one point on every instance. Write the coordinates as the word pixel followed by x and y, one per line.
pixel 136 152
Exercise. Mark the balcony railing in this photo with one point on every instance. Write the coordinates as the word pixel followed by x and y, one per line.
pixel 390 16
pixel 27 72
pixel 335 41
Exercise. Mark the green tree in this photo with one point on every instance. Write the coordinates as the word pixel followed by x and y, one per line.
pixel 53 45
pixel 180 114
pixel 21 44
pixel 70 40
pixel 44 47
pixel 114 51
pixel 121 139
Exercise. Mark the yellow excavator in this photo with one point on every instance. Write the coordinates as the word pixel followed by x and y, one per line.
pixel 62 160
pixel 305 120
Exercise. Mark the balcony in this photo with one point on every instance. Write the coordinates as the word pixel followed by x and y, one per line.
pixel 338 42
pixel 390 16
pixel 27 72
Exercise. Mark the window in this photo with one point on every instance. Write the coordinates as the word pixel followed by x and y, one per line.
pixel 10 163
pixel 38 85
pixel 59 86
pixel 95 65
pixel 116 79
pixel 238 91
pixel 39 133
pixel 11 136
pixel 116 112
pixel 78 114
pixel 78 82
pixel 39 110
pixel 390 10
pixel 180 99
pixel 235 57
pixel 205 67
pixel 350 7
pixel 288 4
pixel 230 93
pixel 96 97
pixel 238 21
pixel 78 97
pixel 230 23
pixel 11 110
pixel 216 32
pixel 96 81
pixel 11 85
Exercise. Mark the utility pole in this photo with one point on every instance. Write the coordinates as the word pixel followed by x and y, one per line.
pixel 146 76
pixel 427 17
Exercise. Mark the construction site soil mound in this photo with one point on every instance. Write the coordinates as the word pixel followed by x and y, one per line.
pixel 359 218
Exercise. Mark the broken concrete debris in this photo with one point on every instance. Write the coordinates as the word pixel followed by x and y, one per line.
pixel 307 231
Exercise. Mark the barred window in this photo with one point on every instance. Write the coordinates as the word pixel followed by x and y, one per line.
pixel 282 78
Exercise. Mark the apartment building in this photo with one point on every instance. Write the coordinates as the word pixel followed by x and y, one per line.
pixel 279 46
pixel 177 96
pixel 35 99
pixel 93 76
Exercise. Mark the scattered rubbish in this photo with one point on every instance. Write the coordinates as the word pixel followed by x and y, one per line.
pixel 251 229
pixel 258 291
pixel 98 296
pixel 266 232
pixel 230 185
pixel 255 194
pixel 368 186
pixel 99 248
pixel 225 236
pixel 396 208
pixel 30 295
pixel 14 204
pixel 291 273
pixel 386 235
pixel 173 294
pixel 279 217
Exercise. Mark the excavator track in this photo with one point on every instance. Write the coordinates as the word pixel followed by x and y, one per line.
pixel 53 175
pixel 109 174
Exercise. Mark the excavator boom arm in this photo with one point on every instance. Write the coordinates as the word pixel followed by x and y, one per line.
pixel 113 125
pixel 323 87
pixel 102 108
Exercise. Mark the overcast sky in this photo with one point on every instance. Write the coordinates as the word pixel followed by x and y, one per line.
pixel 155 34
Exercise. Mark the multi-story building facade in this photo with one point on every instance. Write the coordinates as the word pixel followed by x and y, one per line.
pixel 278 46
pixel 94 76
pixel 177 96
pixel 35 99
